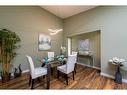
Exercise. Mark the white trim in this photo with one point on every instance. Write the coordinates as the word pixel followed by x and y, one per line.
pixel 82 32
pixel 89 66
pixel 124 80
pixel 69 46
pixel 25 71
pixel 96 68
pixel 107 75
pixel 111 76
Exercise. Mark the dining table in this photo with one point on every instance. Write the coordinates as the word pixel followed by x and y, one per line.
pixel 53 64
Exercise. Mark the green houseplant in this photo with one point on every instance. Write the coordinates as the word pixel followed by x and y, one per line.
pixel 8 46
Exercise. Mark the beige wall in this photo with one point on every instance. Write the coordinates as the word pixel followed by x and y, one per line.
pixel 28 22
pixel 94 39
pixel 112 22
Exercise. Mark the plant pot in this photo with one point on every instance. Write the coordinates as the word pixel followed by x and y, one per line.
pixel 6 77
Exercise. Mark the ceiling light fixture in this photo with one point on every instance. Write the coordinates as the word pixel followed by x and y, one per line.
pixel 54 31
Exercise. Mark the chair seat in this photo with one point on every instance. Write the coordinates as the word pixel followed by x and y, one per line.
pixel 62 68
pixel 40 71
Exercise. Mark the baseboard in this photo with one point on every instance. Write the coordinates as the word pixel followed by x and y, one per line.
pixel 124 80
pixel 112 77
pixel 89 66
pixel 107 75
pixel 25 71
pixel 84 64
pixel 96 68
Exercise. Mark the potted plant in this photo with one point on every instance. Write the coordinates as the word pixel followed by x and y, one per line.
pixel 8 46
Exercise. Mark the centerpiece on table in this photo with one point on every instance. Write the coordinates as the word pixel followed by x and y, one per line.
pixel 60 58
pixel 46 60
pixel 118 62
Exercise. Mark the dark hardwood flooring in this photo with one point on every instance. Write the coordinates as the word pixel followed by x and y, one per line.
pixel 85 78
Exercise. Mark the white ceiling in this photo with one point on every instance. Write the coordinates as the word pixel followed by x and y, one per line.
pixel 66 11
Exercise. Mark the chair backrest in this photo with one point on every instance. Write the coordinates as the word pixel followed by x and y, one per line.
pixel 74 52
pixel 71 63
pixel 51 55
pixel 31 65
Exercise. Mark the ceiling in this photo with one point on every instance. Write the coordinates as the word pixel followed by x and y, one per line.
pixel 67 11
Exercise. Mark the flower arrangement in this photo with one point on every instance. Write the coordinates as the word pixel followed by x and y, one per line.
pixel 59 58
pixel 63 49
pixel 46 60
pixel 117 61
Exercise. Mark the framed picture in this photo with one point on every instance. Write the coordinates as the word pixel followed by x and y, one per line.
pixel 44 42
pixel 84 45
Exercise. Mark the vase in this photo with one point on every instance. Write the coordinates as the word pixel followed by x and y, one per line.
pixel 118 76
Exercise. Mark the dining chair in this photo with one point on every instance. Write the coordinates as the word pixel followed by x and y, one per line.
pixel 68 67
pixel 74 52
pixel 37 72
pixel 51 56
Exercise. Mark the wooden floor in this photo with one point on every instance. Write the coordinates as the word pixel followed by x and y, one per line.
pixel 85 78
